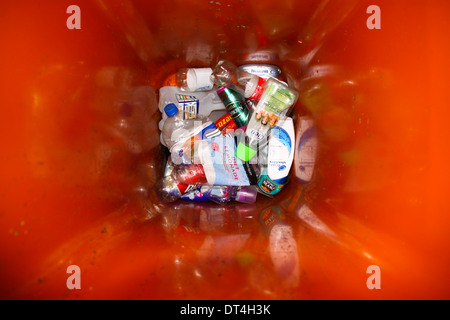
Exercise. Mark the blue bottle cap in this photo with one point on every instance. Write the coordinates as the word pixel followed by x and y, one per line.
pixel 171 109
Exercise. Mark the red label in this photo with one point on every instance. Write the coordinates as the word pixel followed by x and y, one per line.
pixel 230 128
pixel 226 122
pixel 259 89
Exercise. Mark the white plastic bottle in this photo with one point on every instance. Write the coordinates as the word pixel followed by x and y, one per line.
pixel 173 120
pixel 177 129
pixel 194 79
pixel 280 155
pixel 190 105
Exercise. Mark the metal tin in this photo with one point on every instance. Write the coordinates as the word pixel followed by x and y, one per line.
pixel 235 105
pixel 262 70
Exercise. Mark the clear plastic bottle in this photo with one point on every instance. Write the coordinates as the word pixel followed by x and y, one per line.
pixel 226 73
pixel 225 194
pixel 170 190
pixel 194 79
pixel 177 129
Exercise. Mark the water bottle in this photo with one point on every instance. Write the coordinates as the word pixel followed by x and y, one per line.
pixel 194 79
pixel 176 129
pixel 226 73
pixel 225 194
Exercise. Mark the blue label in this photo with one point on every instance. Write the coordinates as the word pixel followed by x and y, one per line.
pixel 283 137
pixel 189 105
pixel 195 195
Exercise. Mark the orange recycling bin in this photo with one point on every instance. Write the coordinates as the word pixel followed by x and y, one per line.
pixel 80 152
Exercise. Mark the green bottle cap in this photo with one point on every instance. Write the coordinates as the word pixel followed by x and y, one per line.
pixel 244 152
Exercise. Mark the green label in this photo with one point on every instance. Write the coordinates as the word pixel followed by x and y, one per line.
pixel 277 100
pixel 235 105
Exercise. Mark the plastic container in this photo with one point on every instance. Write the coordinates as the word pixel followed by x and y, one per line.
pixel 280 155
pixel 177 130
pixel 169 189
pixel 226 73
pixel 275 103
pixel 71 193
pixel 194 79
pixel 215 164
pixel 191 105
pixel 172 123
pixel 225 194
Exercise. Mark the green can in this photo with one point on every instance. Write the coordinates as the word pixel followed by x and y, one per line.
pixel 235 104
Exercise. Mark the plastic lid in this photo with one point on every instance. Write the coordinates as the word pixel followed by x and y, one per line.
pixel 247 195
pixel 171 109
pixel 199 79
pixel 244 152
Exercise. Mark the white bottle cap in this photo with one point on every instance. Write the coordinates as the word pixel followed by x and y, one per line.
pixel 199 79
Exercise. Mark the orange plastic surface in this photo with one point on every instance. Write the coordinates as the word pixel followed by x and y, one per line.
pixel 80 152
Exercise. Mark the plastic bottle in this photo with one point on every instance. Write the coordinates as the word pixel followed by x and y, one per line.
pixel 177 130
pixel 190 105
pixel 194 79
pixel 217 165
pixel 275 103
pixel 184 152
pixel 225 73
pixel 280 155
pixel 225 194
pixel 168 189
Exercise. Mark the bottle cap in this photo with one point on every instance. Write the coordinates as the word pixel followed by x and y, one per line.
pixel 199 79
pixel 171 109
pixel 246 195
pixel 244 152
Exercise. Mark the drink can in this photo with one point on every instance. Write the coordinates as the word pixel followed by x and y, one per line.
pixel 235 105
